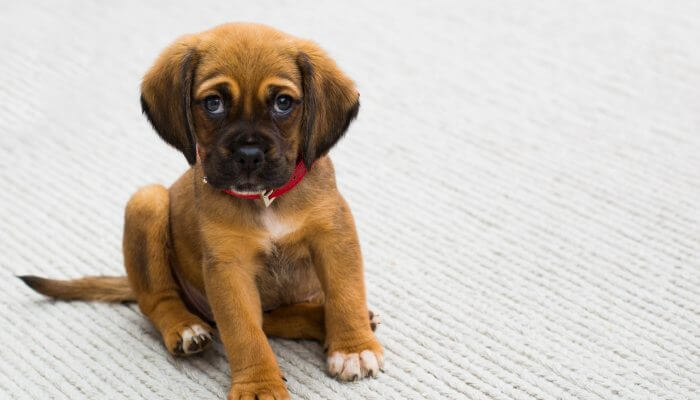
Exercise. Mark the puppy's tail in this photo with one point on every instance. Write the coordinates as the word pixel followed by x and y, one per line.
pixel 96 288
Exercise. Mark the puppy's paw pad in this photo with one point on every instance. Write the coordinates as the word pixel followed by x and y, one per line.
pixel 354 366
pixel 193 339
pixel 374 321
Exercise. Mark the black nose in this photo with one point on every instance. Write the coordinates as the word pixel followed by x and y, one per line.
pixel 249 158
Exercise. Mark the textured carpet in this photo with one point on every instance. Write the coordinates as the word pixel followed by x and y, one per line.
pixel 525 178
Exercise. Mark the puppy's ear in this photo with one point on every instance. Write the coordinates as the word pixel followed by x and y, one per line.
pixel 166 95
pixel 331 102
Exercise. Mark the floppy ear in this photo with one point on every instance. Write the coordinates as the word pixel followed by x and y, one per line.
pixel 331 102
pixel 166 96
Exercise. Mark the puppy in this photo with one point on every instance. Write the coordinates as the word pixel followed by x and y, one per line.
pixel 254 236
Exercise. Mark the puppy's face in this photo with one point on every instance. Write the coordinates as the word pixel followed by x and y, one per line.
pixel 252 100
pixel 247 115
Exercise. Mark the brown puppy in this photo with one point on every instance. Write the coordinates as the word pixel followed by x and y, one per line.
pixel 248 106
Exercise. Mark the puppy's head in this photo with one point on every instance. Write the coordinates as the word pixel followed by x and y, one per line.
pixel 253 100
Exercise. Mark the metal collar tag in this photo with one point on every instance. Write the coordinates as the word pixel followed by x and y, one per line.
pixel 265 197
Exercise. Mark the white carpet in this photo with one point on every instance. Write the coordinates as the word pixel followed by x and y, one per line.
pixel 525 178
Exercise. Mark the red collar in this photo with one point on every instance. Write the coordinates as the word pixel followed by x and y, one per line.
pixel 267 197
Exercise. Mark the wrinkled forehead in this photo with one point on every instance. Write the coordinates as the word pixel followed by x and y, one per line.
pixel 247 67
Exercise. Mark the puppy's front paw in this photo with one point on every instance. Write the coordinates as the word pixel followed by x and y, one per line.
pixel 356 363
pixel 263 390
pixel 354 366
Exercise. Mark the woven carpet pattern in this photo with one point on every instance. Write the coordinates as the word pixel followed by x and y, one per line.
pixel 525 178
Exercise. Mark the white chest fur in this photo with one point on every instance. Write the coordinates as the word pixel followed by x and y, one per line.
pixel 275 227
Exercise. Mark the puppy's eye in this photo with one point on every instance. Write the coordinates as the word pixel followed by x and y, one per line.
pixel 214 105
pixel 283 104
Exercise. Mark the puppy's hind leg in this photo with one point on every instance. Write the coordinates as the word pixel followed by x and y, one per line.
pixel 296 321
pixel 147 261
pixel 302 321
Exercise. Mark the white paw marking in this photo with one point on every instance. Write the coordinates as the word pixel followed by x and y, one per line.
pixel 369 364
pixel 198 330
pixel 194 338
pixel 353 366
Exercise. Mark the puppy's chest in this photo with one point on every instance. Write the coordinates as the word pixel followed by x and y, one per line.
pixel 276 228
pixel 286 275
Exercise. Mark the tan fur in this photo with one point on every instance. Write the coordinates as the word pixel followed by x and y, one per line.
pixel 300 258
pixel 89 288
